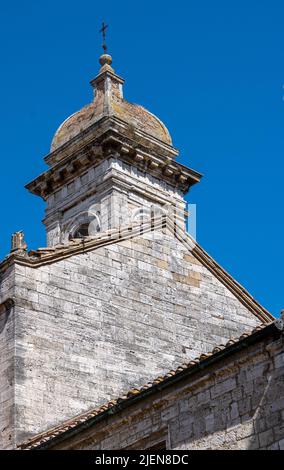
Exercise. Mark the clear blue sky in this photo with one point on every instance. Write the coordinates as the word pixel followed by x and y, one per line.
pixel 212 71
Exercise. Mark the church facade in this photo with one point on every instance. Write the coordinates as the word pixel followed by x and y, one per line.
pixel 123 332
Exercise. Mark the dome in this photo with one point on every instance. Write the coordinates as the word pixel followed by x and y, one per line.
pixel 132 113
pixel 108 101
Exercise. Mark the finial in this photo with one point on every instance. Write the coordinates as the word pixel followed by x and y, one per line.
pixel 103 31
pixel 18 242
pixel 105 59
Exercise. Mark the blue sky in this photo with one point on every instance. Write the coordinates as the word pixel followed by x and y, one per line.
pixel 212 71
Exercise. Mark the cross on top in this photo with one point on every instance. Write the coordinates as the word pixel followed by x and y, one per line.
pixel 103 31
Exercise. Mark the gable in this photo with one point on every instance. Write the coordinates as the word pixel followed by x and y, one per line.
pixel 108 319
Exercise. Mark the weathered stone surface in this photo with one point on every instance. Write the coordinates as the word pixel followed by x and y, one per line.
pixel 99 323
pixel 7 358
pixel 109 101
pixel 83 328
pixel 94 196
pixel 188 417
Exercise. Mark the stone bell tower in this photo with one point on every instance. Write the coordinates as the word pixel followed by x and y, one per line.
pixel 111 163
pixel 94 315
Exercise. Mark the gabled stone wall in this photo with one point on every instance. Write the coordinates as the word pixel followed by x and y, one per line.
pixel 99 323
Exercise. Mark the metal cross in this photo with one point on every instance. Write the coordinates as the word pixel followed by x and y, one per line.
pixel 103 31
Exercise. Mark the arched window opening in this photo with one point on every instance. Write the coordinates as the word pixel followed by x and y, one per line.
pixel 85 225
pixel 82 231
pixel 142 214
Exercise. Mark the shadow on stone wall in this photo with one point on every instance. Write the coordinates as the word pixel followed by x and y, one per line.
pixel 5 312
pixel 242 410
pixel 267 409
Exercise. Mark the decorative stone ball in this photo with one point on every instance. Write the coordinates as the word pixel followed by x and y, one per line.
pixel 105 59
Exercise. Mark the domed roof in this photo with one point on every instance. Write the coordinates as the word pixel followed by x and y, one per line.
pixel 108 101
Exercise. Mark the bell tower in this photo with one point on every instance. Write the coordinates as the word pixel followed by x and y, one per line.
pixel 94 315
pixel 111 163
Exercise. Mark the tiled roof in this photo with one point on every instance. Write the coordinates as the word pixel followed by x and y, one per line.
pixel 45 438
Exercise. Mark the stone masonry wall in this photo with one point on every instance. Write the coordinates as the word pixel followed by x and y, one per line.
pixel 90 193
pixel 7 359
pixel 237 405
pixel 99 323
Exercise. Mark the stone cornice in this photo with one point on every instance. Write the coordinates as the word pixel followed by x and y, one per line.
pixel 128 147
pixel 94 132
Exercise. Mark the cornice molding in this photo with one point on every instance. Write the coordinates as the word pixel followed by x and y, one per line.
pixel 124 145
